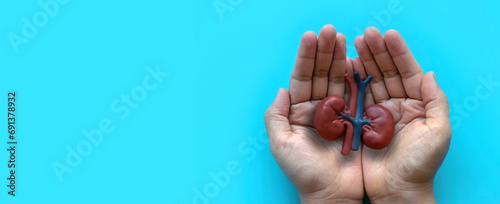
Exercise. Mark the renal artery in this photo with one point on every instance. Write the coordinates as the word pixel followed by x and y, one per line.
pixel 332 118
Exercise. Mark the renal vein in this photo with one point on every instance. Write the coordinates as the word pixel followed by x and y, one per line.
pixel 354 113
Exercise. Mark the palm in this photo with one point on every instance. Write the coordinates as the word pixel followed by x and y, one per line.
pixel 406 159
pixel 408 114
pixel 421 130
pixel 315 166
pixel 318 163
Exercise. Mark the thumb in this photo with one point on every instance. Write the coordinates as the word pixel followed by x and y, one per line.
pixel 437 111
pixel 276 116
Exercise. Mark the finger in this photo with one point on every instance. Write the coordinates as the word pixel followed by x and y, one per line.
pixel 336 85
pixel 301 79
pixel 437 112
pixel 276 117
pixel 358 67
pixel 377 83
pixel 349 68
pixel 350 71
pixel 377 47
pixel 324 55
pixel 408 67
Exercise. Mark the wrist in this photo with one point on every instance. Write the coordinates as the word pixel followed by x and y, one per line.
pixel 311 199
pixel 422 193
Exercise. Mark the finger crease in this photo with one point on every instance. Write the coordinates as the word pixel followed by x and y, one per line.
pixel 390 73
pixel 302 77
pixel 327 52
pixel 321 73
pixel 410 74
pixel 308 58
pixel 401 54
pixel 382 52
pixel 377 80
pixel 336 79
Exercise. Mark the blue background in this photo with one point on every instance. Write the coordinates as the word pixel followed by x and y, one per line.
pixel 224 70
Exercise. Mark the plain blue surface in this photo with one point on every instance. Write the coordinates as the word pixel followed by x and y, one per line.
pixel 206 116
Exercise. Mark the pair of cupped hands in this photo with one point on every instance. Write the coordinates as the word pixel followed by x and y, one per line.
pixel 402 172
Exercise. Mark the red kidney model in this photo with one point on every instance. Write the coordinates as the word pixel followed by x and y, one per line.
pixel 332 118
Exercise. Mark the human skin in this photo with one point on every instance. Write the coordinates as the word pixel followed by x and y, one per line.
pixel 317 169
pixel 321 174
pixel 405 170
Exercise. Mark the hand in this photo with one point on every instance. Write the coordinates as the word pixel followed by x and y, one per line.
pixel 404 171
pixel 315 166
